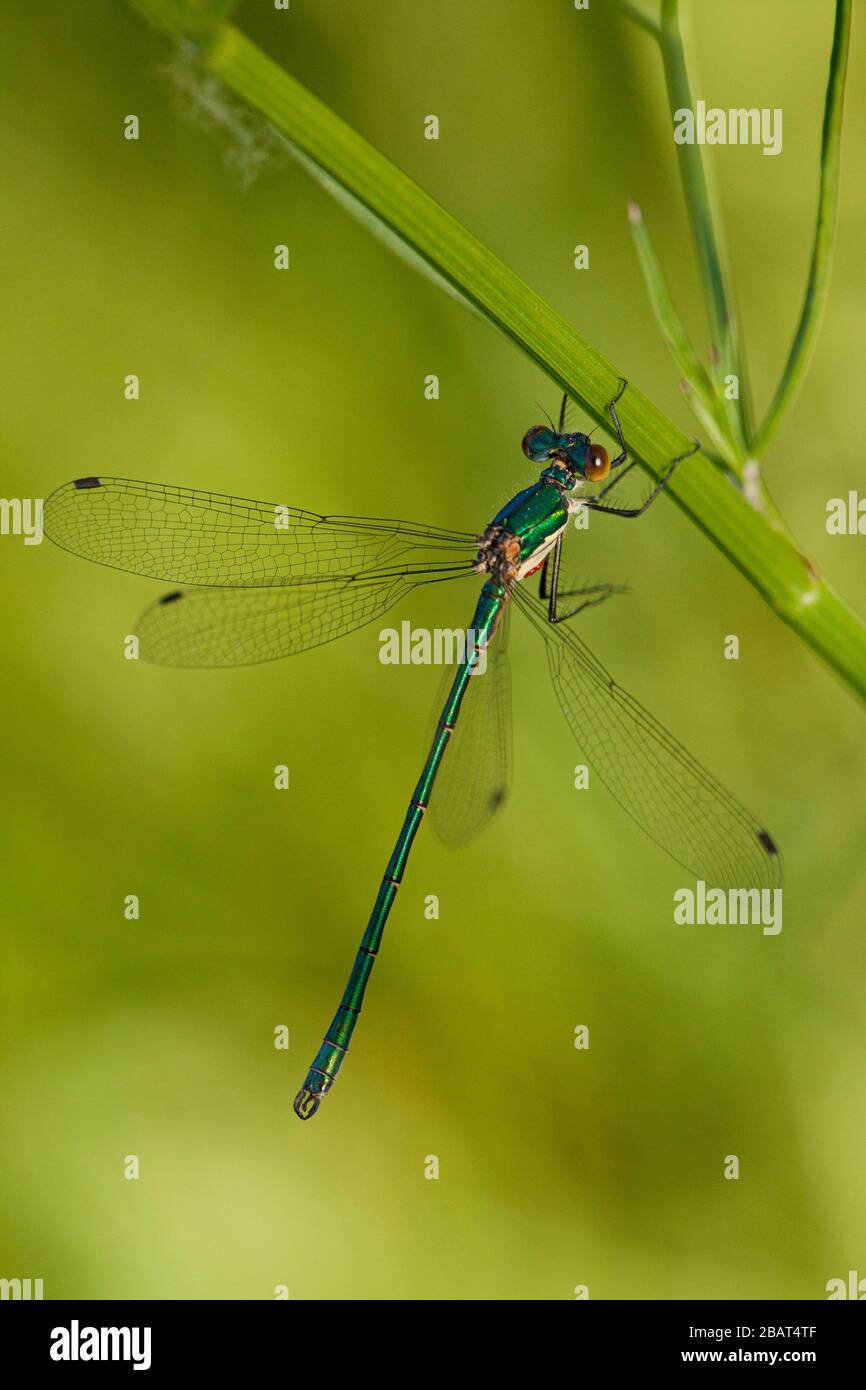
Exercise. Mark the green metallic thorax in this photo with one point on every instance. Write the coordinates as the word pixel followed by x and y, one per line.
pixel 535 514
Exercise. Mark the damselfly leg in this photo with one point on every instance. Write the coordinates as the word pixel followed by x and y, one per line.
pixel 623 453
pixel 597 506
pixel 595 503
pixel 552 592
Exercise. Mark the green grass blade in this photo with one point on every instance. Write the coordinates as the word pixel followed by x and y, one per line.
pixel 825 235
pixel 760 551
pixel 706 229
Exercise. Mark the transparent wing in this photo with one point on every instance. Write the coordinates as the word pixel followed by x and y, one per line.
pixel 473 782
pixel 661 786
pixel 240 627
pixel 185 536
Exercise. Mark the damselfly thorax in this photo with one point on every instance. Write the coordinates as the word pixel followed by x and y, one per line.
pixel 525 531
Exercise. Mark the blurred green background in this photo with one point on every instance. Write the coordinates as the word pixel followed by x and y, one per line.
pixel 155 1037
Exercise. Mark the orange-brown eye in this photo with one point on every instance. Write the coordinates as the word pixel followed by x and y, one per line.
pixel 597 464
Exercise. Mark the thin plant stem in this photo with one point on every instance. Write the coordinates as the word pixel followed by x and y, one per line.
pixel 818 284
pixel 701 394
pixel 638 15
pixel 706 230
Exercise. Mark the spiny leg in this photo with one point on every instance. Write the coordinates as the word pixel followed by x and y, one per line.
pixel 618 477
pixel 621 456
pixel 595 502
pixel 595 505
pixel 563 411
pixel 604 589
pixel 601 591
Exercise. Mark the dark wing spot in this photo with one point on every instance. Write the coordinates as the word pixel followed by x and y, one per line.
pixel 497 796
pixel 768 842
pixel 87 482
pixel 171 598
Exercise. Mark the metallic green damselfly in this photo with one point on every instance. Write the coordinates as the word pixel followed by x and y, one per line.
pixel 268 581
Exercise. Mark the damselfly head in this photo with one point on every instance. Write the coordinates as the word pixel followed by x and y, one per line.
pixel 583 458
pixel 540 443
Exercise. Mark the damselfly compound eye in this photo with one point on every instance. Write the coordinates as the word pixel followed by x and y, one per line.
pixel 539 443
pixel 597 464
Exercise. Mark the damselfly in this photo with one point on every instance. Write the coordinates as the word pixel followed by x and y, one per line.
pixel 268 581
